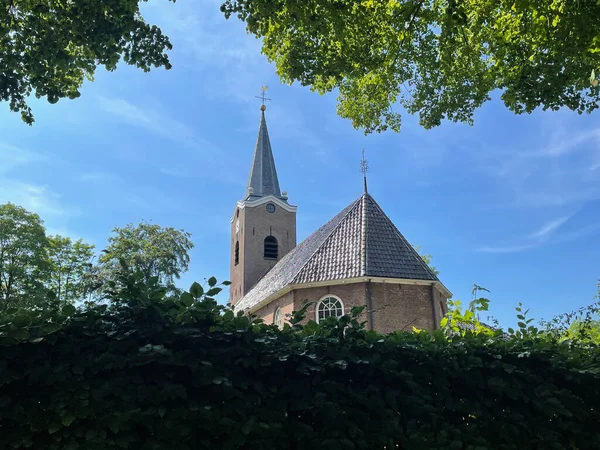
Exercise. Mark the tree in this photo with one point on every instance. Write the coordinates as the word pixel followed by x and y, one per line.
pixel 427 259
pixel 23 263
pixel 153 250
pixel 49 47
pixel 70 262
pixel 440 59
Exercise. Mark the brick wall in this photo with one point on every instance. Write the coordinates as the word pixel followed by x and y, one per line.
pixel 286 303
pixel 394 306
pixel 401 306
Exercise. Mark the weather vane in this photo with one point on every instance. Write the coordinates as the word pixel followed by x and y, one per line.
pixel 263 97
pixel 364 168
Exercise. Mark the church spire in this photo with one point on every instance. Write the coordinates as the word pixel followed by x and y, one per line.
pixel 263 175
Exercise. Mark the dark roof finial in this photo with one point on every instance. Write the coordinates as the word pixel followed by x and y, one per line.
pixel 364 168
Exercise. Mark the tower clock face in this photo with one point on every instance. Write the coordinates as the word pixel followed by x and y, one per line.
pixel 270 207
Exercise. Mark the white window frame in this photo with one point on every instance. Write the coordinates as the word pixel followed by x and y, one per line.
pixel 320 302
pixel 278 319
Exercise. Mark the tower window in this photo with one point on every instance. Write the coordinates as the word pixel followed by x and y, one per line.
pixel 329 307
pixel 237 253
pixel 270 248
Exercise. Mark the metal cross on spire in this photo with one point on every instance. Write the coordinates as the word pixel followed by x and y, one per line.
pixel 364 168
pixel 263 97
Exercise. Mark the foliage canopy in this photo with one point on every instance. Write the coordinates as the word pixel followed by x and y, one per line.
pixel 155 251
pixel 48 47
pixel 440 59
pixel 23 259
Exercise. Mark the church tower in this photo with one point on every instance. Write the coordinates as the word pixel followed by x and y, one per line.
pixel 263 225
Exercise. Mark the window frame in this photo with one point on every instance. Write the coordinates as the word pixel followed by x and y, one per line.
pixel 278 319
pixel 320 302
pixel 272 239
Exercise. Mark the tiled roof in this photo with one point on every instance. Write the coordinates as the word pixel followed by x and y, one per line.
pixel 263 175
pixel 360 241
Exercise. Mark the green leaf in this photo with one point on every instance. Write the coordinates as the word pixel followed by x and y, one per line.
pixel 51 327
pixel 19 333
pixel 226 283
pixel 196 290
pixel 212 281
pixel 158 294
pixel 69 310
pixel 213 291
pixel 67 420
pixel 21 321
pixel 54 427
pixel 186 299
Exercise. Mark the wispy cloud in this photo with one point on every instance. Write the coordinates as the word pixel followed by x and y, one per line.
pixel 12 157
pixel 97 177
pixel 535 239
pixel 507 249
pixel 547 229
pixel 32 197
pixel 557 171
pixel 151 120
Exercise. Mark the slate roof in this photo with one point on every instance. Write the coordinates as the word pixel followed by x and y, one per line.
pixel 360 241
pixel 263 175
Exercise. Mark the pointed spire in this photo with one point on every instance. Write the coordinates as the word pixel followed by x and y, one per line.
pixel 263 175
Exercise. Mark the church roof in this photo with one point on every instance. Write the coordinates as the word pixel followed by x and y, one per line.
pixel 360 241
pixel 263 175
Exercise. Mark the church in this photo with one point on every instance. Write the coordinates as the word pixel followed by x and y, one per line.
pixel 358 258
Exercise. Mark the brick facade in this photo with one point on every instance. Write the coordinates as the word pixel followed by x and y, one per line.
pixel 393 306
pixel 250 226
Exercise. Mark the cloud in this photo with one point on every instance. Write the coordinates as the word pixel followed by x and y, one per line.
pixel 546 230
pixel 35 198
pixel 552 171
pixel 509 249
pixel 533 240
pixel 12 157
pixel 150 120
pixel 93 177
pixel 565 141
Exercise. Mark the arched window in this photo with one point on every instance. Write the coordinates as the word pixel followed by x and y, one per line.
pixel 329 307
pixel 270 248
pixel 237 253
pixel 278 318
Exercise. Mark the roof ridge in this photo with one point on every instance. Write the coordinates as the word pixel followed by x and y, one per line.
pixel 412 250
pixel 363 237
pixel 349 209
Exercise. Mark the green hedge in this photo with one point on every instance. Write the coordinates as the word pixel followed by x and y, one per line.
pixel 185 374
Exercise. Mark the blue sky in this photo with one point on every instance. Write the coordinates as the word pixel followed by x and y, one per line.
pixel 511 203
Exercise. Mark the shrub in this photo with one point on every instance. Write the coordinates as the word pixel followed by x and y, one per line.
pixel 145 372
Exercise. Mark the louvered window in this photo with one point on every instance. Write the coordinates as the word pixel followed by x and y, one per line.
pixel 237 252
pixel 270 248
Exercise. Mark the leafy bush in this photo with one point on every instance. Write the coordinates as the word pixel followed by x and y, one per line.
pixel 149 372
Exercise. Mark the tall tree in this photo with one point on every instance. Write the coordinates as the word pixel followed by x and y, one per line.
pixel 23 258
pixel 153 250
pixel 440 59
pixel 48 47
pixel 70 262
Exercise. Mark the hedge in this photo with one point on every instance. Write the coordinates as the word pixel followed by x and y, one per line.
pixel 187 374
